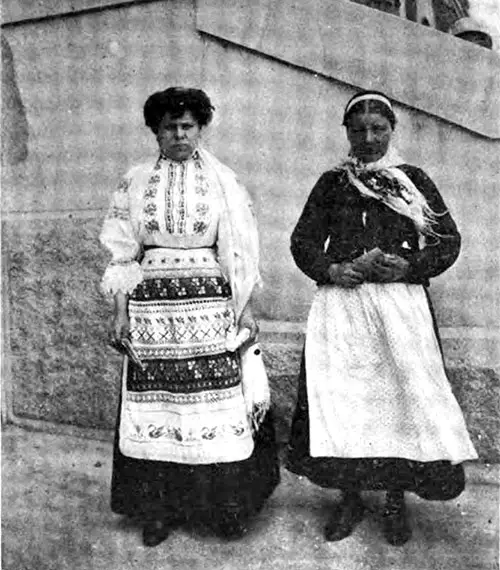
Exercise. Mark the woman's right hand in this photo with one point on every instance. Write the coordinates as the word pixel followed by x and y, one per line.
pixel 345 275
pixel 120 324
pixel 119 327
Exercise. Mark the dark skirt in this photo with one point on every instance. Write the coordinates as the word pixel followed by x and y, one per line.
pixel 155 489
pixel 435 480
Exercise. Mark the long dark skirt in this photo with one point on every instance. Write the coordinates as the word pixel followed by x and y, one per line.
pixel 435 480
pixel 156 489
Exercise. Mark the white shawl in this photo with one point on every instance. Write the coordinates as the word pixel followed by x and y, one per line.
pixel 238 239
pixel 238 253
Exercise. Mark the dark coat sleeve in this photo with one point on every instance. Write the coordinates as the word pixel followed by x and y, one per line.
pixel 441 250
pixel 310 234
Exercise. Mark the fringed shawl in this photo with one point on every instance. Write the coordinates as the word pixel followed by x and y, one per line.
pixel 238 239
pixel 238 252
pixel 384 181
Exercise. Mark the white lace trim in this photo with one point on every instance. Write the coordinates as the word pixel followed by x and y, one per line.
pixel 121 278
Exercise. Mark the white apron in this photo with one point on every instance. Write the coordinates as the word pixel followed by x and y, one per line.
pixel 376 382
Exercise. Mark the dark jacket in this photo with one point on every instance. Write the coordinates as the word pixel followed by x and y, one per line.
pixel 352 224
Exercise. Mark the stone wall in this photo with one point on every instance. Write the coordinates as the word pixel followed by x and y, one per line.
pixel 83 79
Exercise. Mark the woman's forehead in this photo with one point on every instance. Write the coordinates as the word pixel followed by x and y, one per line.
pixel 368 118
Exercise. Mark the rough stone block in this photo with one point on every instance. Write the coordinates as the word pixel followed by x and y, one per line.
pixel 62 369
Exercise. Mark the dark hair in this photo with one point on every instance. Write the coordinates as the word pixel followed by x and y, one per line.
pixel 176 101
pixel 369 106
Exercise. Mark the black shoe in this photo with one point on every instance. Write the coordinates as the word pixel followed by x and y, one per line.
pixel 344 518
pixel 155 532
pixel 231 527
pixel 397 529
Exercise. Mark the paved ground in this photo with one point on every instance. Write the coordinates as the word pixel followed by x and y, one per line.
pixel 56 517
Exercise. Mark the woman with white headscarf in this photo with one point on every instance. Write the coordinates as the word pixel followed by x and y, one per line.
pixel 375 410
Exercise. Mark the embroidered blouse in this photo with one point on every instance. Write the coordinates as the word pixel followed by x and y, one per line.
pixel 339 224
pixel 161 203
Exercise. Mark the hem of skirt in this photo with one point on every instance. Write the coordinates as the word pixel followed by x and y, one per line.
pixel 348 486
pixel 433 459
pixel 419 479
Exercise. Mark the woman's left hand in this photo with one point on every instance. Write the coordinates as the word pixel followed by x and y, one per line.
pixel 390 268
pixel 247 321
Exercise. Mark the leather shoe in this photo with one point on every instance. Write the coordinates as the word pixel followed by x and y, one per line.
pixel 155 532
pixel 231 528
pixel 397 529
pixel 344 518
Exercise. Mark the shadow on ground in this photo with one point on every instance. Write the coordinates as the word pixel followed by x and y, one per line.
pixel 56 517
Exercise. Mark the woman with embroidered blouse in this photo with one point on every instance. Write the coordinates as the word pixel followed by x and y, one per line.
pixel 375 410
pixel 194 439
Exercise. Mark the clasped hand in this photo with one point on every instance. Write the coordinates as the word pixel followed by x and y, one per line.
pixel 386 268
pixel 389 268
pixel 345 275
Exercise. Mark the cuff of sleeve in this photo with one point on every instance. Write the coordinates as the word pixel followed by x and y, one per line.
pixel 322 273
pixel 414 274
pixel 121 278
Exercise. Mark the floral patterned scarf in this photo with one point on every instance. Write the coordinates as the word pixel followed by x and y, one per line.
pixel 384 181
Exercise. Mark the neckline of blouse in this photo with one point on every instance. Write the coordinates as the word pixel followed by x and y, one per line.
pixel 195 156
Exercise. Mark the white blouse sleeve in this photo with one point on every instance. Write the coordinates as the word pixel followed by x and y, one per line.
pixel 123 272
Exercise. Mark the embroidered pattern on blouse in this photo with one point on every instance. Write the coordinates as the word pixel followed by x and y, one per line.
pixel 202 209
pixel 169 206
pixel 175 205
pixel 181 227
pixel 180 217
pixel 118 209
pixel 150 209
pixel 201 183
pixel 116 212
pixel 124 185
pixel 121 262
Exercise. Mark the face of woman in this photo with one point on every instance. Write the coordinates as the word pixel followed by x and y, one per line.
pixel 369 135
pixel 179 137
